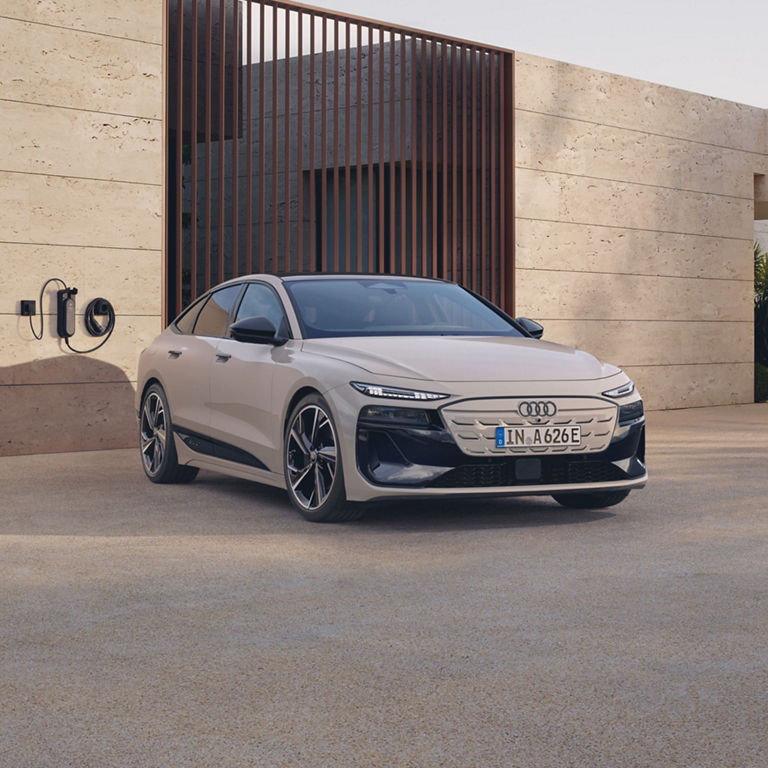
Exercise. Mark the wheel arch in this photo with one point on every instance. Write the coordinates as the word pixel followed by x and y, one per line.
pixel 147 384
pixel 295 398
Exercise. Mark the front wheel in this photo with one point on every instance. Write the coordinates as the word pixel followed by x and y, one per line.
pixel 158 452
pixel 595 500
pixel 314 476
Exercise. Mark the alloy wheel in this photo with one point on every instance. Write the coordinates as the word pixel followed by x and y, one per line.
pixel 311 456
pixel 153 433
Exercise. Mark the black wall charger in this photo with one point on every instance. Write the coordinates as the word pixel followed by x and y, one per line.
pixel 66 314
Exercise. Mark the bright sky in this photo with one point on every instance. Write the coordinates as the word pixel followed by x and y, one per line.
pixel 717 47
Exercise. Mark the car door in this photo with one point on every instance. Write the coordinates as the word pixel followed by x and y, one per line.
pixel 242 376
pixel 190 354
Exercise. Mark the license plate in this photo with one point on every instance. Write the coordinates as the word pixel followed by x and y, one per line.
pixel 537 437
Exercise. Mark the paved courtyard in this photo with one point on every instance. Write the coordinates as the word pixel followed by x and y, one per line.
pixel 208 625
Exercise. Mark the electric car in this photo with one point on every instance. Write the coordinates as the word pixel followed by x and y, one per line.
pixel 347 389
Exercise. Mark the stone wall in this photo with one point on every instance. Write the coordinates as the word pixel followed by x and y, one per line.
pixel 635 224
pixel 635 219
pixel 81 180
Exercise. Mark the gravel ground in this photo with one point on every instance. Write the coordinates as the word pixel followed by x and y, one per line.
pixel 208 625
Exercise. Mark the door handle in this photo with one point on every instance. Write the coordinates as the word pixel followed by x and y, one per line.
pixel 174 353
pixel 220 358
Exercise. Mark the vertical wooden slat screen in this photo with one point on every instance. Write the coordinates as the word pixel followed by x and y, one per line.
pixel 305 140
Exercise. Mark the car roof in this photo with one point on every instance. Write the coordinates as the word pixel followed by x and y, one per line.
pixel 290 276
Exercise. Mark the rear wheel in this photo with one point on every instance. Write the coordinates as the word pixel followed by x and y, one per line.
pixel 314 476
pixel 596 500
pixel 158 451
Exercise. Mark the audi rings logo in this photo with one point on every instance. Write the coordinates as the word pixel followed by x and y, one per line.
pixel 537 408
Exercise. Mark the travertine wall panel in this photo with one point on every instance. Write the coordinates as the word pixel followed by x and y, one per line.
pixel 67 417
pixel 586 200
pixel 591 295
pixel 62 67
pixel 65 210
pixel 67 142
pixel 761 233
pixel 693 386
pixel 553 87
pixel 137 19
pixel 580 247
pixel 554 143
pixel 682 342
pixel 27 361
pixel 128 278
pixel 635 208
pixel 81 181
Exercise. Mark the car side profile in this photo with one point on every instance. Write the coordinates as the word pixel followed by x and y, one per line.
pixel 347 389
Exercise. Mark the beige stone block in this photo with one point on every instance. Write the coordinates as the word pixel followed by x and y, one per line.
pixel 24 360
pixel 761 235
pixel 67 417
pixel 643 343
pixel 130 279
pixel 557 197
pixel 66 142
pixel 587 295
pixel 50 65
pixel 694 386
pixel 554 87
pixel 138 19
pixel 565 145
pixel 66 211
pixel 578 247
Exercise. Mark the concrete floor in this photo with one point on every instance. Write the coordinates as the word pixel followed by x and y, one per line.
pixel 208 625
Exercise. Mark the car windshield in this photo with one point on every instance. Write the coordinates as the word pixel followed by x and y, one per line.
pixel 330 307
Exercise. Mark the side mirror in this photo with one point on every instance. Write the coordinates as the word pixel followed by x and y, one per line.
pixel 531 327
pixel 255 330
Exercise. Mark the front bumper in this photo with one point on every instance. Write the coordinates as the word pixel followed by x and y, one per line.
pixel 400 460
pixel 391 461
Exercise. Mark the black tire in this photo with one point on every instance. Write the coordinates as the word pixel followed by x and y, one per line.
pixel 314 476
pixel 596 500
pixel 156 445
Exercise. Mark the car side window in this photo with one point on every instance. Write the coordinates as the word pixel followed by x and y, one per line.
pixel 213 319
pixel 260 300
pixel 186 320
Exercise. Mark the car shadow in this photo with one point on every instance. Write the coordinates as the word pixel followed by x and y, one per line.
pixel 419 515
pixel 466 514
pixel 105 494
pixel 65 403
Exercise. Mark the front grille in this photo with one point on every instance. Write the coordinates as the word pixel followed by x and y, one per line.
pixel 473 423
pixel 553 472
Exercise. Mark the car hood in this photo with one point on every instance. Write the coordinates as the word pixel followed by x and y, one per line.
pixel 463 358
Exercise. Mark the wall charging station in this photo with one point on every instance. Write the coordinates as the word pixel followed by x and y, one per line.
pixel 66 315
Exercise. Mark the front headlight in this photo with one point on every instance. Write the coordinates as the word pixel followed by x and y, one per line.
pixel 624 389
pixel 387 414
pixel 375 390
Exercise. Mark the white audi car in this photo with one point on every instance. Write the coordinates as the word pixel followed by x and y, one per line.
pixel 345 389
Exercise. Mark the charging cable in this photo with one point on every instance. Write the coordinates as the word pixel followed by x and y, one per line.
pixel 42 291
pixel 94 327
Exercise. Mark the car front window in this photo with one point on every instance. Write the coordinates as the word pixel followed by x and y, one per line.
pixel 213 319
pixel 331 307
pixel 260 300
